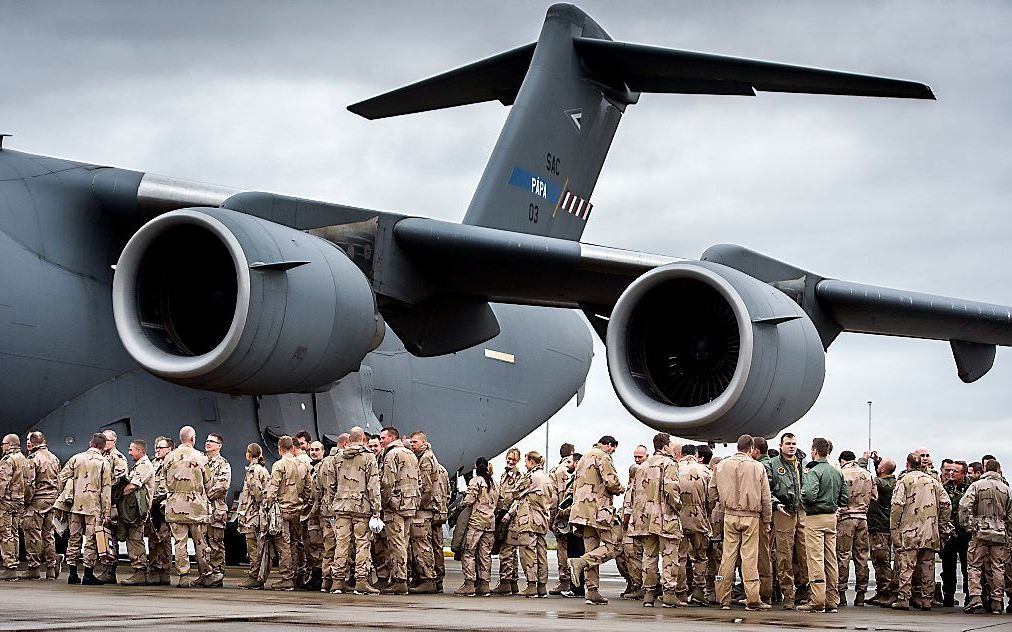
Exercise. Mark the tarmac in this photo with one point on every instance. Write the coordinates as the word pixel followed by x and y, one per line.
pixel 48 605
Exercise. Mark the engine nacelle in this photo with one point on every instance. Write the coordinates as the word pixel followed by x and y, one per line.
pixel 708 353
pixel 220 300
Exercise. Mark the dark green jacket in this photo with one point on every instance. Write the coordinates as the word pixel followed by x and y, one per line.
pixel 955 493
pixel 823 490
pixel 785 487
pixel 878 509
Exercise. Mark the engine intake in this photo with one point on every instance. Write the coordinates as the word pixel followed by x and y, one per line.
pixel 706 352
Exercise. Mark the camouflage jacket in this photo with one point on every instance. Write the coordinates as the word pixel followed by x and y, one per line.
pixel 428 481
pixel 985 509
pixel 483 500
pixel 918 503
pixel 533 501
pixel 119 465
pixel 221 481
pixel 12 482
pixel 90 477
pixel 143 476
pixel 326 484
pixel 358 483
pixel 627 497
pixel 509 484
pixel 693 480
pixel 399 480
pixel 47 479
pixel 559 476
pixel 656 498
pixel 287 487
pixel 187 479
pixel 740 484
pixel 160 492
pixel 595 487
pixel 861 491
pixel 27 476
pixel 442 494
pixel 251 498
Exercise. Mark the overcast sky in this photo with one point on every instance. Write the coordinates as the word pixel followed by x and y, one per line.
pixel 909 194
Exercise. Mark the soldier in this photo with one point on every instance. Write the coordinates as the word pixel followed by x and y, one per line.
pixel 920 509
pixel 300 448
pixel 560 475
pixel 852 527
pixel 739 483
pixel 715 550
pixel 326 487
pixel 956 548
pixel 439 518
pixel 356 499
pixel 375 447
pixel 422 549
pixel 250 515
pixel 140 485
pixel 119 472
pixel 157 529
pixel 399 489
pixel 985 509
pixel 221 481
pixel 693 481
pixel 784 472
pixel 187 480
pixel 302 442
pixel 594 490
pixel 482 497
pixel 630 556
pixel 313 532
pixel 879 536
pixel 655 498
pixel 40 542
pixel 91 476
pixel 528 516
pixel 12 505
pixel 759 453
pixel 286 495
pixel 508 566
pixel 823 491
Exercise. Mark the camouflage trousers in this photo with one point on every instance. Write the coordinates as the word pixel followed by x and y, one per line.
pixel 40 542
pixel 509 568
pixel 789 540
pixel 329 545
pixel 476 558
pixel 135 546
pixel 990 558
pixel 882 561
pixel 198 533
pixel 562 552
pixel 10 519
pixel 629 560
pixel 312 535
pixel 852 542
pixel 692 549
pixel 765 564
pixel 436 537
pixel 395 546
pixel 159 546
pixel 600 544
pixel 667 548
pixel 286 545
pixel 254 553
pixel 421 546
pixel 741 542
pixel 534 557
pixel 915 561
pixel 82 532
pixel 351 538
pixel 216 548
pixel 823 573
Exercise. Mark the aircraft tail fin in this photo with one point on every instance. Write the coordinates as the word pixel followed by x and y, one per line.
pixel 569 91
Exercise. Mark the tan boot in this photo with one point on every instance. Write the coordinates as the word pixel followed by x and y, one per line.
pixel 671 600
pixel 543 589
pixel 31 573
pixel 138 578
pixel 636 594
pixel 466 589
pixel 900 604
pixel 530 591
pixel 250 583
pixel 595 598
pixel 481 588
pixel 648 599
pixel 973 605
pixel 362 587
pixel 286 585
pixel 9 575
pixel 504 588
pixel 399 587
pixel 561 587
pixel 426 587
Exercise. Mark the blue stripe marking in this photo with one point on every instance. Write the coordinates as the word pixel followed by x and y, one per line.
pixel 535 185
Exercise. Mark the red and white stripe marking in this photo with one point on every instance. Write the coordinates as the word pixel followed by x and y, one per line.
pixel 575 205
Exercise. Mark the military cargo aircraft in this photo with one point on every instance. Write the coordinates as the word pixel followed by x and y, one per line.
pixel 140 302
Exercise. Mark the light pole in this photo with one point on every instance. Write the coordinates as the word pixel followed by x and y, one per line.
pixel 869 425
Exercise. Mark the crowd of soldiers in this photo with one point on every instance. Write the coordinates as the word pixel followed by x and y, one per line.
pixel 368 518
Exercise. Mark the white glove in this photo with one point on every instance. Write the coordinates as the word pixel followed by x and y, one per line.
pixel 375 524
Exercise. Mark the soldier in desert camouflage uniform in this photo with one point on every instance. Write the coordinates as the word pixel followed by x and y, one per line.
pixel 119 464
pixel 313 532
pixel 693 480
pixel 221 481
pixel 90 478
pixel 594 490
pixel 287 495
pixel 439 517
pixel 157 529
pixel 560 477
pixel 250 516
pixel 300 539
pixel 528 516
pixel 140 480
pixel 356 499
pixel 920 511
pixel 629 558
pixel 852 527
pixel 508 565
pixel 399 490
pixel 187 479
pixel 985 510
pixel 12 505
pixel 40 543
pixel 422 550
pixel 476 561
pixel 326 486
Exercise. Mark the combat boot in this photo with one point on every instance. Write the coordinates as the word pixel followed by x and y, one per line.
pixel 327 584
pixel 636 594
pixel 671 600
pixel 996 606
pixel 399 587
pixel 648 599
pixel 921 604
pixel 595 598
pixel 629 587
pixel 108 575
pixel 577 567
pixel 762 605
pixel 381 583
pixel 89 578
pixel 286 585
pixel 697 598
pixel 481 588
pixel 900 604
pixel 543 590
pixel 466 589
pixel 858 599
pixel 213 580
pixel 9 575
pixel 561 587
pixel 184 581
pixel 843 598
pixel 138 578
pixel 439 587
pixel 250 583
pixel 73 577
pixel 973 605
pixel 164 579
pixel 503 589
pixel 425 587
pixel 362 587
pixel 807 607
pixel 52 573
pixel 531 590
pixel 31 573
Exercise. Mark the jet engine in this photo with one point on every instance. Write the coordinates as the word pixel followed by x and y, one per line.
pixel 220 300
pixel 708 353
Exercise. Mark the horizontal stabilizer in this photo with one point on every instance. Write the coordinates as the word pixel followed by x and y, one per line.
pixel 495 78
pixel 652 69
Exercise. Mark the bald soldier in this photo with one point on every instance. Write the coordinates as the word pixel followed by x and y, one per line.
pixel 12 505
pixel 187 479
pixel 40 542
pixel 630 557
pixel 88 476
pixel 356 499
pixel 399 490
